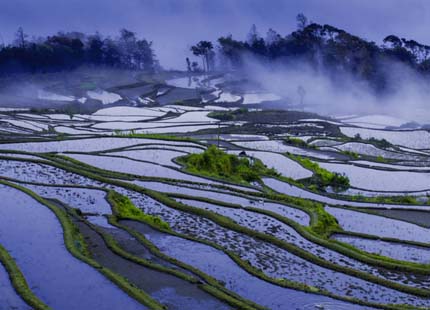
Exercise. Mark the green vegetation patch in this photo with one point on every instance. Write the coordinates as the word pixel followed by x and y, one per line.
pixel 217 163
pixel 125 209
pixel 133 134
pixel 228 115
pixel 380 143
pixel 298 142
pixel 322 177
pixel 352 154
pixel 326 224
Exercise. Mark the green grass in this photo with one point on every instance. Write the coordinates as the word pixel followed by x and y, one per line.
pixel 325 224
pixel 214 162
pixel 322 177
pixel 125 209
pixel 380 143
pixel 353 155
pixel 298 142
pixel 381 159
pixel 132 134
pixel 18 281
pixel 228 115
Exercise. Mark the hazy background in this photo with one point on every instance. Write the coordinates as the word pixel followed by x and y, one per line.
pixel 174 25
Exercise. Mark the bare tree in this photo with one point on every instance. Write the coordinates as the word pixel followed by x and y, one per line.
pixel 252 35
pixel 188 64
pixel 20 38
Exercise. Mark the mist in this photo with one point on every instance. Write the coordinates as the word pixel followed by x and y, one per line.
pixel 339 94
pixel 175 25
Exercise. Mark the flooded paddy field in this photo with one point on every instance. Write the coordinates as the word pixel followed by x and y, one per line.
pixel 126 206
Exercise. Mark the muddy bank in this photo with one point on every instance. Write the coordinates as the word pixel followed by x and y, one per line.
pixel 421 218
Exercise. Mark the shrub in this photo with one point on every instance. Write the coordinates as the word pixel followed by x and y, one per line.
pixel 326 224
pixel 229 115
pixel 124 208
pixel 380 159
pixel 296 142
pixel 376 142
pixel 323 177
pixel 217 163
pixel 354 155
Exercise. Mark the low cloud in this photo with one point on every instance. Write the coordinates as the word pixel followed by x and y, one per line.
pixel 327 93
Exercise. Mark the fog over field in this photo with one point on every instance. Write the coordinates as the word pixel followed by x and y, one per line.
pixel 335 94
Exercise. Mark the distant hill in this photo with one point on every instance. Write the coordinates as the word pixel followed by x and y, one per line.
pixel 330 48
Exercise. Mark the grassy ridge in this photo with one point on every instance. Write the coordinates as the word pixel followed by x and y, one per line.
pixel 230 224
pixel 300 203
pixel 18 281
pixel 76 246
pixel 213 287
pixel 133 187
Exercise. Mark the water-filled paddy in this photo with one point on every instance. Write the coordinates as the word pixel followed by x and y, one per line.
pixel 34 237
pixel 236 279
pixel 282 250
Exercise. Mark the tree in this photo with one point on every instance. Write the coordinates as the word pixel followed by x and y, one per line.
pixel 272 37
pixel 128 47
pixel 252 35
pixel 20 38
pixel 95 49
pixel 144 55
pixel 68 50
pixel 188 64
pixel 394 41
pixel 203 49
pixel 195 66
pixel 232 50
pixel 302 21
pixel 111 53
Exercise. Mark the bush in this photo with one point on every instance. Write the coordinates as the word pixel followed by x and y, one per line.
pixel 354 155
pixel 124 208
pixel 376 142
pixel 326 224
pixel 296 142
pixel 380 159
pixel 229 115
pixel 217 163
pixel 323 177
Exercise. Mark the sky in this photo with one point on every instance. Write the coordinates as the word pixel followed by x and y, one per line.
pixel 174 25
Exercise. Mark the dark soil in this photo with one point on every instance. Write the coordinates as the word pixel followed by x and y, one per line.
pixel 417 217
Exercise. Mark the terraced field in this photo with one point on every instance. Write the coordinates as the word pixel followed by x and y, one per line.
pixel 103 211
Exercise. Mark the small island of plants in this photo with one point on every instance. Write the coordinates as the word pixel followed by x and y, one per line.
pixel 214 162
pixel 322 178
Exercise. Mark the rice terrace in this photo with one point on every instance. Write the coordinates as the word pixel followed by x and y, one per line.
pixel 284 170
